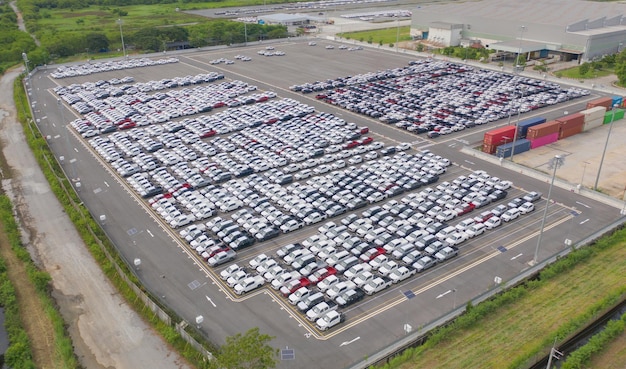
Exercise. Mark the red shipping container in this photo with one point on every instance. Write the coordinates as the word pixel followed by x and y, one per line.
pixel 544 140
pixel 497 136
pixel 603 101
pixel 489 149
pixel 543 129
pixel 565 133
pixel 572 120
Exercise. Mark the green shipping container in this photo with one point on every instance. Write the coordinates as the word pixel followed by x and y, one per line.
pixel 608 116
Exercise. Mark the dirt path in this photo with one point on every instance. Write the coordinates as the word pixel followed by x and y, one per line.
pixel 20 21
pixel 106 332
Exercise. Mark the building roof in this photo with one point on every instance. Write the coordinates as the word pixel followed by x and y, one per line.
pixel 285 18
pixel 549 12
pixel 525 45
pixel 445 25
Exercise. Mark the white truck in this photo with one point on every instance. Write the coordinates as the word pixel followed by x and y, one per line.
pixel 329 320
pixel 320 309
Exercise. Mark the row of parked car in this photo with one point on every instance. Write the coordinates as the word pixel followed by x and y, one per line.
pixel 439 96
pixel 362 255
pixel 85 69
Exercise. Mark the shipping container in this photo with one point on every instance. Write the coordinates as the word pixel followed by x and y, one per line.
pixel 617 101
pixel 591 124
pixel 607 102
pixel 489 149
pixel 544 140
pixel 543 129
pixel 497 136
pixel 568 132
pixel 594 113
pixel 572 120
pixel 522 127
pixel 504 151
pixel 608 116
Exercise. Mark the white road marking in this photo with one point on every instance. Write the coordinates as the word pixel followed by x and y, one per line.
pixel 150 233
pixel 585 205
pixel 106 184
pixel 584 221
pixel 211 301
pixel 345 343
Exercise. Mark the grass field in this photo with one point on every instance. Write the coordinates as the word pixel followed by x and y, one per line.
pixel 385 36
pixel 526 328
pixel 575 73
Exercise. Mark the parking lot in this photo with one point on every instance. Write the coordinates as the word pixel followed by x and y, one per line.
pixel 274 193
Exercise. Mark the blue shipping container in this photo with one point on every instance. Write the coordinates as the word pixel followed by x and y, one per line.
pixel 504 151
pixel 522 127
pixel 617 100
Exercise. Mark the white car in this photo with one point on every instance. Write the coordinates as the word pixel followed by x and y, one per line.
pixel 249 284
pixel 328 282
pixel 456 238
pixel 258 260
pixel 403 146
pixel 401 274
pixel 290 226
pixel 376 285
pixel 492 222
pixel 224 274
pixel 475 230
pixel 526 207
pixel 329 320
pixel 511 214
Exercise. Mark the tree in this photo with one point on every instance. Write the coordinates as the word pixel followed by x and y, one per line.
pixel 584 68
pixel 97 41
pixel 248 351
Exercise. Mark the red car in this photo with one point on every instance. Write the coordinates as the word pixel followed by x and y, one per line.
pixel 364 130
pixel 321 274
pixel 219 104
pixel 371 254
pixel 128 125
pixel 206 134
pixel 465 208
pixel 366 140
pixel 294 285
pixel 351 145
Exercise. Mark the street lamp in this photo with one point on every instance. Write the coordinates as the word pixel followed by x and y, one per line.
pixel 519 111
pixel 523 28
pixel 397 33
pixel 119 21
pixel 25 57
pixel 606 144
pixel 582 179
pixel 555 163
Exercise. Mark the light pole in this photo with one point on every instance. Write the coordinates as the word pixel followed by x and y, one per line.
pixel 555 163
pixel 521 36
pixel 582 179
pixel 397 33
pixel 519 111
pixel 606 144
pixel 25 57
pixel 119 21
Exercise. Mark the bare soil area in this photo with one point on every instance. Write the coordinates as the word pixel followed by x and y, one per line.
pixel 105 331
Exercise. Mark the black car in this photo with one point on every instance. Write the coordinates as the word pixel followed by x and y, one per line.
pixel 433 134
pixel 350 297
pixel 388 151
pixel 242 242
pixel 267 233
pixel 497 195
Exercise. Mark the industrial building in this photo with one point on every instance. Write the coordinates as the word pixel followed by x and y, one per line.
pixel 564 29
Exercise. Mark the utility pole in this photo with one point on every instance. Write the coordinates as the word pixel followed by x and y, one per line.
pixel 555 163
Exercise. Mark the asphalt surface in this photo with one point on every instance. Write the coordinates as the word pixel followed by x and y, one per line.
pixel 174 275
pixel 105 331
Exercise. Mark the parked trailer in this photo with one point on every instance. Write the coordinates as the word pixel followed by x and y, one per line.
pixel 499 136
pixel 543 129
pixel 608 116
pixel 607 102
pixel 544 140
pixel 593 117
pixel 571 125
pixel 522 127
pixel 504 151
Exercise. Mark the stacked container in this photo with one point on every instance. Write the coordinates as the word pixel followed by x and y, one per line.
pixel 608 116
pixel 607 102
pixel 543 134
pixel 504 151
pixel 497 137
pixel 570 125
pixel 593 117
pixel 522 127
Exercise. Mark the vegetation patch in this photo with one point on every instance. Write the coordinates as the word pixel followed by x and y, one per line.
pixel 520 325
